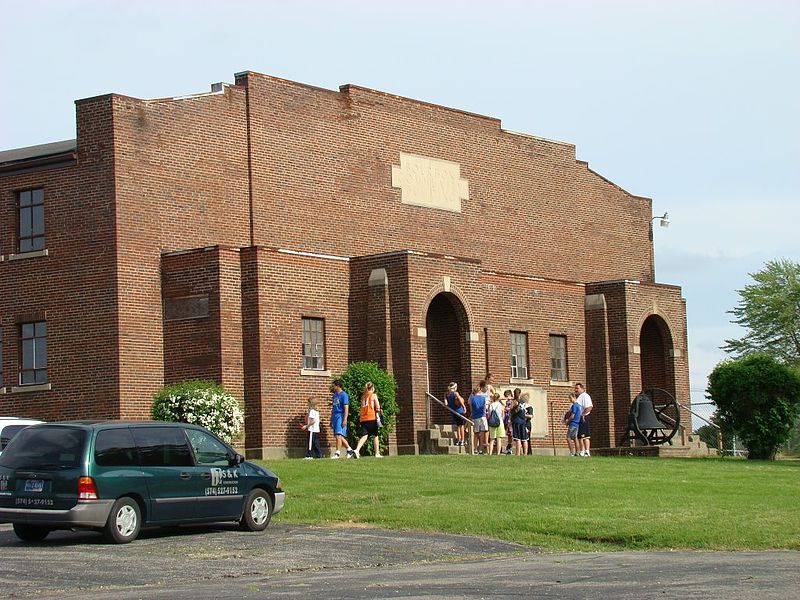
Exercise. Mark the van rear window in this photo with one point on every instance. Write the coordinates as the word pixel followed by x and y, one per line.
pixel 44 448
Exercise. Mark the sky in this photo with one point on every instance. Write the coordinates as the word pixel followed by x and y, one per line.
pixel 695 104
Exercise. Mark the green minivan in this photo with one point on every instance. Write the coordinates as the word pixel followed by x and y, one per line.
pixel 115 476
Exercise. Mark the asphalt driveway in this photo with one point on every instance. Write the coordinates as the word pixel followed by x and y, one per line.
pixel 299 562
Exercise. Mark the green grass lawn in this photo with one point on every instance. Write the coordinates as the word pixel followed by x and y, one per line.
pixel 557 503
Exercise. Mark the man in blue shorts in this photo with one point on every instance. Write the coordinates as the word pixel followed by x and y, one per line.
pixel 340 409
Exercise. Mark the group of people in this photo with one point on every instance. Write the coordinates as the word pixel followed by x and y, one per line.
pixel 501 425
pixel 369 419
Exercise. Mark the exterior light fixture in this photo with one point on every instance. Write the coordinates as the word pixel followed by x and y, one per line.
pixel 664 222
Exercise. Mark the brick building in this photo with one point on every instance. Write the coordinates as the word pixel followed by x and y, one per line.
pixel 267 233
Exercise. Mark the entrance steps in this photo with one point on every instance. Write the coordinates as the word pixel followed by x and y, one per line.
pixel 439 439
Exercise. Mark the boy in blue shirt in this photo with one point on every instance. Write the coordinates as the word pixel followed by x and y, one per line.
pixel 572 418
pixel 340 409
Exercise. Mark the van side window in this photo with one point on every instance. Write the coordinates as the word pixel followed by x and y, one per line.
pixel 207 449
pixel 115 448
pixel 162 447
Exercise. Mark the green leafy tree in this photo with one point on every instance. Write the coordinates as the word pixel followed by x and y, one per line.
pixel 769 310
pixel 354 378
pixel 758 400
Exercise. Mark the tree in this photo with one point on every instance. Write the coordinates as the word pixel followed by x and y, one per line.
pixel 770 310
pixel 758 400
pixel 354 377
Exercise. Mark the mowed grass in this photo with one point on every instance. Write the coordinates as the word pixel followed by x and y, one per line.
pixel 556 503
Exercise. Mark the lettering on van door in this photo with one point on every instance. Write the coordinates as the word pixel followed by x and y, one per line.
pixel 224 482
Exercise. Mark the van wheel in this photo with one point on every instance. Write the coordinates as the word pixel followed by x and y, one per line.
pixel 257 511
pixel 124 522
pixel 31 533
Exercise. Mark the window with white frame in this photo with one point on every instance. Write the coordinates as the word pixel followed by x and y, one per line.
pixel 558 358
pixel 519 355
pixel 33 363
pixel 314 344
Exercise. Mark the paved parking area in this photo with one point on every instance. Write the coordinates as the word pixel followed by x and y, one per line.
pixel 298 562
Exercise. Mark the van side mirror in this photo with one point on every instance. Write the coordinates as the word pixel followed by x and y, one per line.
pixel 236 459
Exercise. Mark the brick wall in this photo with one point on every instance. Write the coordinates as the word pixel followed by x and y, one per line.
pixel 73 288
pixel 318 155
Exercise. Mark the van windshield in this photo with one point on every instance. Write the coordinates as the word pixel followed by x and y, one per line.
pixel 44 448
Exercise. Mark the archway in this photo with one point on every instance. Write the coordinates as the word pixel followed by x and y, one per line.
pixel 448 351
pixel 657 360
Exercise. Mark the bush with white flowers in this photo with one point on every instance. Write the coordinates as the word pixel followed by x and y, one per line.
pixel 203 403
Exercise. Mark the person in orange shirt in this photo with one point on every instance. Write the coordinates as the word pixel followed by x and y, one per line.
pixel 370 408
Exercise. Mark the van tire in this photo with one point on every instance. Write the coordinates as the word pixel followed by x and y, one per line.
pixel 257 511
pixel 124 521
pixel 31 533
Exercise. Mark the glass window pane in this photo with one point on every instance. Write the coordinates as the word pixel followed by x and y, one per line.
pixel 37 196
pixel 37 220
pixel 25 218
pixel 41 376
pixel 115 448
pixel 27 330
pixel 40 353
pixel 27 354
pixel 37 243
pixel 25 198
pixel 25 245
pixel 40 329
pixel 27 377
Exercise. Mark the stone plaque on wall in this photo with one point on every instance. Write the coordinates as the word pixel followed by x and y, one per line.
pixel 430 182
pixel 186 307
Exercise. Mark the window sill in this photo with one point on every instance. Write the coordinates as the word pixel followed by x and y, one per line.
pixel 314 373
pixel 24 255
pixel 2 390
pixel 556 383
pixel 41 387
pixel 521 381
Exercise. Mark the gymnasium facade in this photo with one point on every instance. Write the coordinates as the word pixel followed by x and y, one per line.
pixel 267 233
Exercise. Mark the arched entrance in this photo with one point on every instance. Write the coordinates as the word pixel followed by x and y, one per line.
pixel 448 351
pixel 657 360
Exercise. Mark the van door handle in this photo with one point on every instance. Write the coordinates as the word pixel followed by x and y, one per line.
pixel 185 475
pixel 205 475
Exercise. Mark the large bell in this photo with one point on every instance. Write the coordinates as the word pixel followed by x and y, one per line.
pixel 645 414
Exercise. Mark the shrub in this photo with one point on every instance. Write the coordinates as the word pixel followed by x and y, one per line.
pixel 758 400
pixel 201 402
pixel 354 377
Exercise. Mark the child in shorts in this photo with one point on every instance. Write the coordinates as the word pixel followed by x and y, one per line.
pixel 572 419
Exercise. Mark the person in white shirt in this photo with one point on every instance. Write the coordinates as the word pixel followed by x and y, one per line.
pixel 312 427
pixel 584 433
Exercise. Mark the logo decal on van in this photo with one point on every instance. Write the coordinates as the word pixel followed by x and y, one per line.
pixel 224 482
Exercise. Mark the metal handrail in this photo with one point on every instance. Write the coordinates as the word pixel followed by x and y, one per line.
pixel 467 421
pixel 720 449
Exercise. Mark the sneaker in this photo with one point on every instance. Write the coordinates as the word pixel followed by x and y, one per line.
pixel 309 458
pixel 335 455
pixel 582 453
pixel 572 454
pixel 587 453
pixel 351 454
pixel 355 454
pixel 379 456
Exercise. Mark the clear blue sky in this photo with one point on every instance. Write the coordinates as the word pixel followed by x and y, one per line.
pixel 692 103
